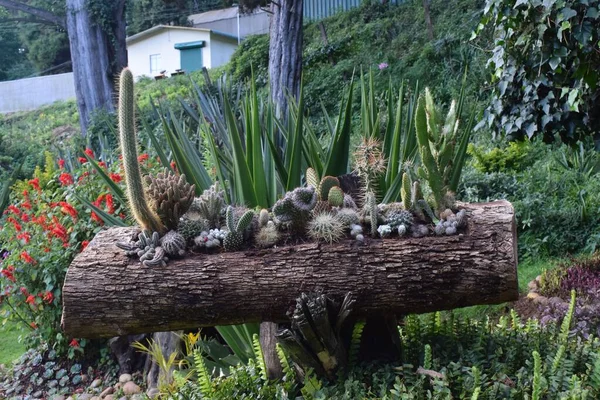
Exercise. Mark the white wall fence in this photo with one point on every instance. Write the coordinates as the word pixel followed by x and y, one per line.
pixel 32 93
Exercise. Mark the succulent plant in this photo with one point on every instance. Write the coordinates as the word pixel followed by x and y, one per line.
pixel 328 189
pixel 420 230
pixel 209 206
pixel 155 258
pixel 347 216
pixel 325 227
pixel 372 212
pixel 450 222
pixel 356 231
pixel 189 228
pixel 170 195
pixel 369 163
pixel 406 191
pixel 147 248
pixel 349 202
pixel 396 218
pixel 263 218
pixel 145 216
pixel 294 208
pixel 267 236
pixel 384 230
pixel 174 244
pixel 235 237
pixel 210 239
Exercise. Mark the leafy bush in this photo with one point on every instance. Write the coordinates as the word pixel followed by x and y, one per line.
pixel 545 67
pixel 44 228
pixel 446 358
pixel 516 156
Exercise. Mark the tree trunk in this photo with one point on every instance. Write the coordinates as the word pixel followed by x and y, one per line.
pixel 108 294
pixel 95 58
pixel 428 19
pixel 285 52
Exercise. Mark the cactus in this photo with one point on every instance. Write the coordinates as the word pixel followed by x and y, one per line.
pixel 210 239
pixel 294 208
pixel 420 230
pixel 147 248
pixel 170 195
pixel 158 259
pixel 312 178
pixel 349 202
pixel 208 206
pixel 372 212
pixel 174 244
pixel 336 197
pixel 263 218
pixel 235 237
pixel 347 216
pixel 325 227
pixel 267 236
pixel 138 203
pixel 190 228
pixel 384 230
pixel 369 163
pixel 396 218
pixel 406 191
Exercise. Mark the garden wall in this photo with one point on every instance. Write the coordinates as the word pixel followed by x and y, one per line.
pixel 32 93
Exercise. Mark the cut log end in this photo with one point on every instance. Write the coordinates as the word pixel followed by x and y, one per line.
pixel 108 294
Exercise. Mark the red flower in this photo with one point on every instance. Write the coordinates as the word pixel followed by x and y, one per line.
pixel 33 325
pixel 74 343
pixel 35 183
pixel 68 209
pixel 30 299
pixel 82 160
pixel 15 223
pixel 110 204
pixel 14 210
pixel 26 205
pixel 173 166
pixel 65 179
pixel 25 236
pixel 84 244
pixel 8 273
pixel 61 163
pixel 116 177
pixel 48 297
pixel 25 193
pixel 25 217
pixel 89 152
pixel 27 258
pixel 143 157
pixel 24 291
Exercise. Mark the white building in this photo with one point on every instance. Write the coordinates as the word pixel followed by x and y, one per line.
pixel 228 20
pixel 174 48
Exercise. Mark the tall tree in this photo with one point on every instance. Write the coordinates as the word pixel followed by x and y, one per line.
pixel 96 31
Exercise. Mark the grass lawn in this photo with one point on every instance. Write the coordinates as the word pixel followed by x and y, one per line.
pixel 10 348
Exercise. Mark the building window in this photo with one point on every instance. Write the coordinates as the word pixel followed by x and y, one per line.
pixel 154 64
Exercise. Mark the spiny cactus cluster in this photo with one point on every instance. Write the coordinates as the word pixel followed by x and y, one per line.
pixel 235 237
pixel 170 195
pixel 450 222
pixel 369 163
pixel 295 207
pixel 329 192
pixel 209 206
pixel 211 239
pixel 326 227
pixel 174 244
pixel 147 248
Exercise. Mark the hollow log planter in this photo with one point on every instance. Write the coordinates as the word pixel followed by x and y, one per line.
pixel 108 294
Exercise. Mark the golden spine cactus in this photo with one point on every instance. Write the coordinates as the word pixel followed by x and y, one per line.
pixel 171 196
pixel 406 191
pixel 143 214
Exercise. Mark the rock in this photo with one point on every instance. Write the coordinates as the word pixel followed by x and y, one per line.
pixel 131 388
pixel 533 286
pixel 84 378
pixel 118 386
pixel 96 383
pixel 153 393
pixel 109 397
pixel 123 398
pixel 95 398
pixel 37 394
pixel 58 397
pixel 70 398
pixel 124 378
pixel 85 396
pixel 106 392
pixel 532 295
pixel 137 397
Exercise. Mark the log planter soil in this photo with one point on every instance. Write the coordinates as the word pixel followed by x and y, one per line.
pixel 108 294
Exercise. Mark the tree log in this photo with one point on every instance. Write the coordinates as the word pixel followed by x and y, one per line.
pixel 108 294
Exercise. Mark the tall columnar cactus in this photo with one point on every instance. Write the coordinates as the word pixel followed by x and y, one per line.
pixel 371 205
pixel 437 142
pixel 235 237
pixel 136 195
pixel 406 191
pixel 369 163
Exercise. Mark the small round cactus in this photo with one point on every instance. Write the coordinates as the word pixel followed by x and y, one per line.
pixel 267 236
pixel 347 216
pixel 336 197
pixel 263 218
pixel 384 230
pixel 325 227
pixel 189 228
pixel 174 244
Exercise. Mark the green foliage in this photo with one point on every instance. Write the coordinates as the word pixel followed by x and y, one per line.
pixel 516 156
pixel 545 68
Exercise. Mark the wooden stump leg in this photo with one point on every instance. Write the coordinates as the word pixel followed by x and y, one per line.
pixel 268 342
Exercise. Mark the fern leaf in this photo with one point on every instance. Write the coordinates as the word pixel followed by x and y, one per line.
pixel 260 360
pixel 204 381
pixel 357 331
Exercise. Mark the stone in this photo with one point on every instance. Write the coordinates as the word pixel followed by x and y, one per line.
pixel 95 383
pixel 58 397
pixel 533 286
pixel 124 378
pixel 85 396
pixel 118 386
pixel 131 388
pixel 123 398
pixel 532 295
pixel 95 398
pixel 70 398
pixel 137 397
pixel 37 394
pixel 153 393
pixel 109 397
pixel 106 392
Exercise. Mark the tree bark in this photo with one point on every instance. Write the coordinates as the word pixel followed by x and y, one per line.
pixel 107 294
pixel 285 52
pixel 97 56
pixel 428 19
